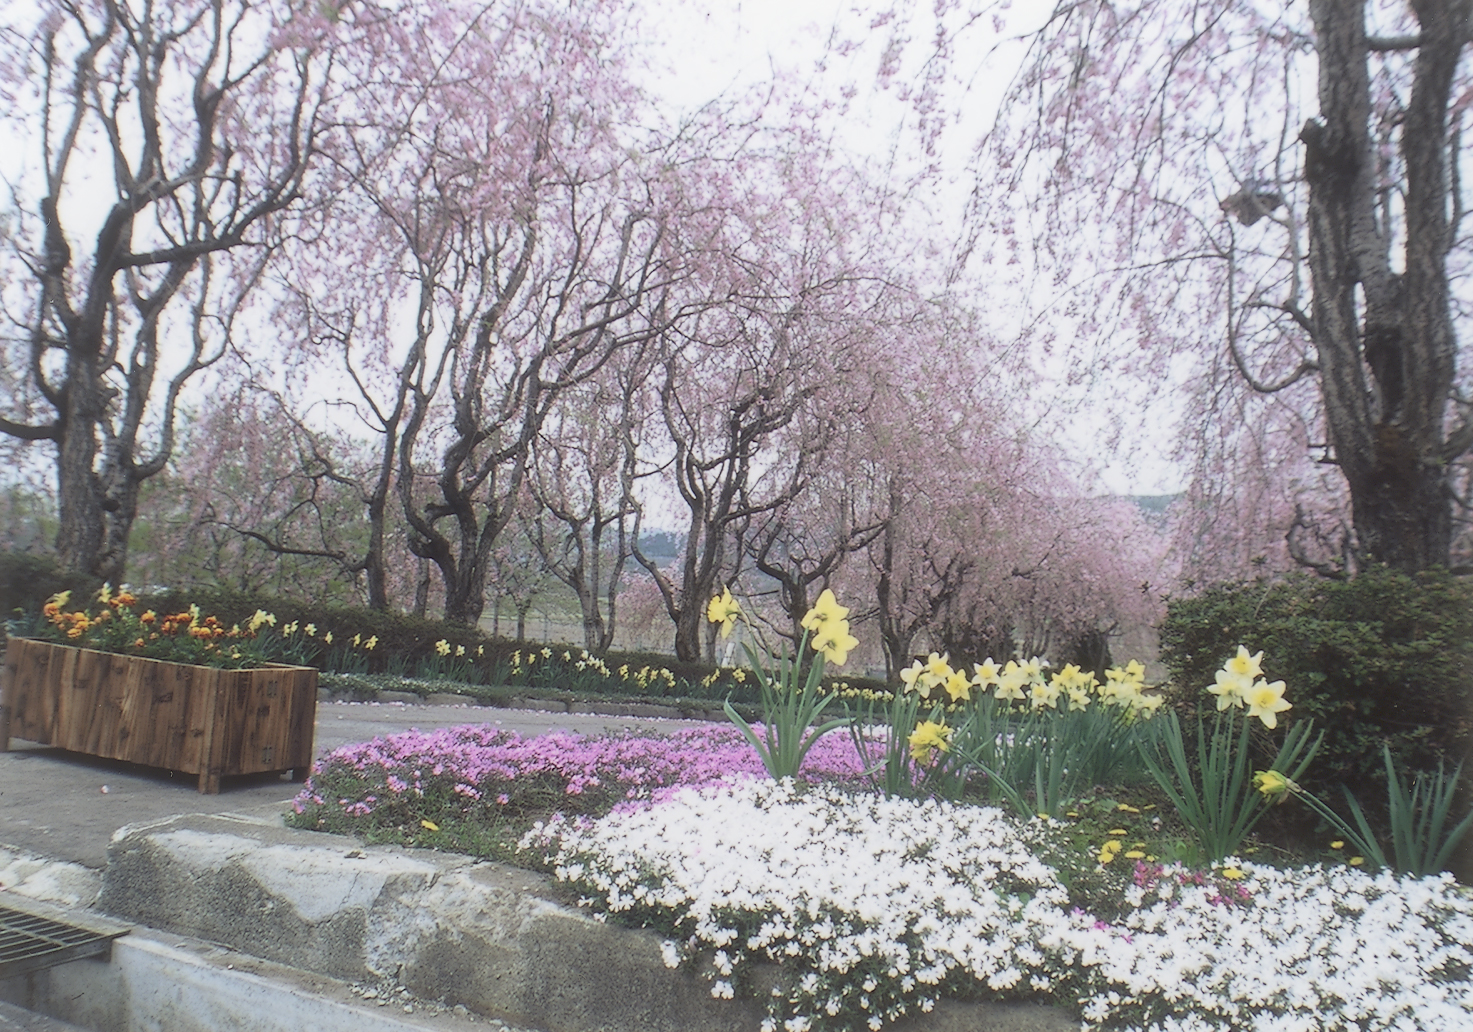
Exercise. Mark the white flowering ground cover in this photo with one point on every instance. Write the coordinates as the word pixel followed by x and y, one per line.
pixel 878 907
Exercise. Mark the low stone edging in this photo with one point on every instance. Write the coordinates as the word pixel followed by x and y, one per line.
pixel 498 939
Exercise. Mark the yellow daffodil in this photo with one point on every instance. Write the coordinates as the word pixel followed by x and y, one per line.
pixel 327 638
pixel 1274 786
pixel 310 630
pixel 958 686
pixel 723 609
pixel 1230 688
pixel 827 608
pixel 834 641
pixel 985 674
pixel 1043 693
pixel 371 643
pixel 1010 683
pixel 442 647
pixel 1244 665
pixel 910 678
pixel 928 737
pixel 1266 701
pixel 938 669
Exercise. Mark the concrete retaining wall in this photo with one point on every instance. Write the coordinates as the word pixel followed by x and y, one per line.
pixel 500 940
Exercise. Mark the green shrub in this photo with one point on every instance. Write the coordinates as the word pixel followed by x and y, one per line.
pixel 1386 657
pixel 27 580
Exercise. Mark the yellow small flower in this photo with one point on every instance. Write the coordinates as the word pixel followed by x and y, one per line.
pixel 1116 831
pixel 1356 861
pixel 1134 854
pixel 1127 808
pixel 1337 844
pixel 1233 873
pixel 429 825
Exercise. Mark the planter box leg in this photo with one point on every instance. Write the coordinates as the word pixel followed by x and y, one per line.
pixel 209 784
pixel 5 725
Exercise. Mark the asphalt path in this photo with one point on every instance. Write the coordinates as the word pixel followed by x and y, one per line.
pixel 66 806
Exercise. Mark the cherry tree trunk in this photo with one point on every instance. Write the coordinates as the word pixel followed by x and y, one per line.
pixel 1386 357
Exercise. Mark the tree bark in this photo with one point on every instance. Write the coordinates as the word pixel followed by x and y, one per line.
pixel 1386 367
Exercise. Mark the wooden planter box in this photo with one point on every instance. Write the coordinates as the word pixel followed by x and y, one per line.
pixel 194 719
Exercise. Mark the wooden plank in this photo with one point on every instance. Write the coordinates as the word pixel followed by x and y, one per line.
pixel 198 720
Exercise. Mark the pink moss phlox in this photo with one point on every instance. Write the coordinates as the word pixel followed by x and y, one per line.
pixel 478 760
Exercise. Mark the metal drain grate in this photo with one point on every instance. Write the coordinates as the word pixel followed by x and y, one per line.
pixel 29 942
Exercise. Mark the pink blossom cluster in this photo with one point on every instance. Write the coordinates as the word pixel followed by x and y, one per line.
pixel 478 762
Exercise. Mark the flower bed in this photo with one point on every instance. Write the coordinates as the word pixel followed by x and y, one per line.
pixel 878 907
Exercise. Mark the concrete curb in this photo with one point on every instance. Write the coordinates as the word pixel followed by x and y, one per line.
pixel 654 710
pixel 499 940
pixel 157 982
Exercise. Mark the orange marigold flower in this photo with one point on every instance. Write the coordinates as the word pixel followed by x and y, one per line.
pixel 75 632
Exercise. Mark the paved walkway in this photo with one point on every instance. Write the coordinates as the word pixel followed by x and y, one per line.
pixel 66 806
